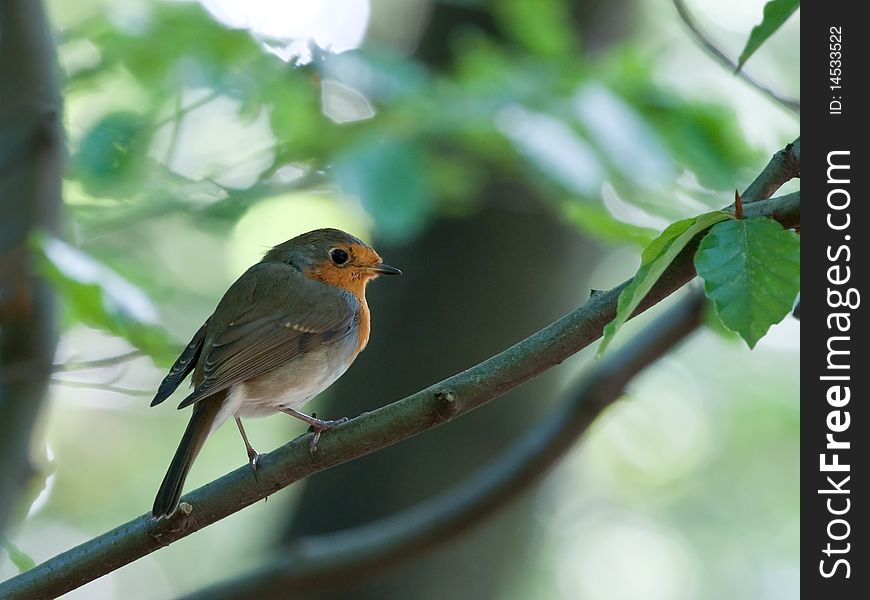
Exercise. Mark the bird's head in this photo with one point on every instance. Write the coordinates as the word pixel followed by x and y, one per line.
pixel 334 257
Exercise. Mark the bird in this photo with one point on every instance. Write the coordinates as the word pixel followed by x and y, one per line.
pixel 282 333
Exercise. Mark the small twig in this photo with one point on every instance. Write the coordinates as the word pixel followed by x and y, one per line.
pixel 154 207
pixel 738 205
pixel 109 361
pixel 181 111
pixel 704 40
pixel 172 146
pixel 100 386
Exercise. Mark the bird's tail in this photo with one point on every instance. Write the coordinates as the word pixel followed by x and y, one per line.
pixel 198 428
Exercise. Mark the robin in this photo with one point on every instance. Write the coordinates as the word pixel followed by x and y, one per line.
pixel 285 331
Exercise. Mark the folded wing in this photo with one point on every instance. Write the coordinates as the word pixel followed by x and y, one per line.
pixel 270 316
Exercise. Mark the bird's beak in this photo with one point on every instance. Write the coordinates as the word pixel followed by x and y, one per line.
pixel 383 269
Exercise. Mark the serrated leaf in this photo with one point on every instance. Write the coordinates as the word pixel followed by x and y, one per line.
pixel 751 272
pixel 654 260
pixel 711 319
pixel 22 561
pixel 776 12
pixel 99 297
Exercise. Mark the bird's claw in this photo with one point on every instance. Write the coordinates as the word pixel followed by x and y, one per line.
pixel 254 461
pixel 318 429
pixel 312 447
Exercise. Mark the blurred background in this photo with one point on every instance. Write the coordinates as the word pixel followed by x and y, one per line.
pixel 508 155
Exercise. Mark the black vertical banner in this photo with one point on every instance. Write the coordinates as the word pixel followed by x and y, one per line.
pixel 835 490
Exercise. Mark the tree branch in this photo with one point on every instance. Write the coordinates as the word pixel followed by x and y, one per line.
pixel 716 52
pixel 31 157
pixel 101 387
pixel 362 435
pixel 314 561
pixel 785 165
pixel 97 363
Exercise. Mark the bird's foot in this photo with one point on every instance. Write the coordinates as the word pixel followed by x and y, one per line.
pixel 315 425
pixel 321 425
pixel 318 426
pixel 254 461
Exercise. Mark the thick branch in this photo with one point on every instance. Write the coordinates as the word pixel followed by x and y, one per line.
pixel 358 552
pixel 716 52
pixel 360 436
pixel 31 149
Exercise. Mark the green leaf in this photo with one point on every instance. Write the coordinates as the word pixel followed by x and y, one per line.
pixel 99 297
pixel 776 12
pixel 654 260
pixel 751 271
pixel 597 221
pixel 390 179
pixel 714 323
pixel 22 561
pixel 113 153
pixel 544 27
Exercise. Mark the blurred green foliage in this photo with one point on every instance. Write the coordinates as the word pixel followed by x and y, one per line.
pixel 95 295
pixel 390 178
pixel 535 110
pixel 110 152
pixel 21 560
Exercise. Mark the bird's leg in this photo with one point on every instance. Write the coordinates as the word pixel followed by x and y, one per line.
pixel 319 425
pixel 253 455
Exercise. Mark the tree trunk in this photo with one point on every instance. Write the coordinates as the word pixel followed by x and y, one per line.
pixel 31 157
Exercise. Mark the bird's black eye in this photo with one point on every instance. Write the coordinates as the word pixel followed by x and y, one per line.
pixel 338 256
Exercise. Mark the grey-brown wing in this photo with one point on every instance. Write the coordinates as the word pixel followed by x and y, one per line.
pixel 287 316
pixel 182 367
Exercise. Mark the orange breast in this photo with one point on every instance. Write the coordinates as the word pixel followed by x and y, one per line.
pixel 365 324
pixel 355 283
pixel 357 287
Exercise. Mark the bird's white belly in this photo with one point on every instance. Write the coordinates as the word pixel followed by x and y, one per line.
pixel 290 386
